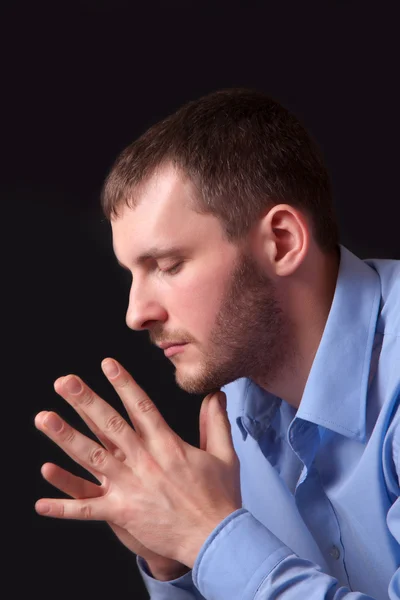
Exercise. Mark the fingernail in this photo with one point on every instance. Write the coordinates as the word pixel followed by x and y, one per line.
pixel 53 422
pixel 40 416
pixel 42 507
pixel 110 368
pixel 73 385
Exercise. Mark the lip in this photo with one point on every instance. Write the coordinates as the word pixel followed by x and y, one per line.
pixel 171 349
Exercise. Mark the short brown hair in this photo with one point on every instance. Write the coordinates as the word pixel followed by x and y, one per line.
pixel 243 151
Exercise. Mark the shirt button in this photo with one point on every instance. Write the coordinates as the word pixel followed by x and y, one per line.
pixel 335 552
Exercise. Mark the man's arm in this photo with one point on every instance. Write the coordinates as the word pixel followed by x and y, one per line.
pixel 141 469
pixel 182 503
pixel 243 560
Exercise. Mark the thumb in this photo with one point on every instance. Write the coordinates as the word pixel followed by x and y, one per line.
pixel 203 421
pixel 219 437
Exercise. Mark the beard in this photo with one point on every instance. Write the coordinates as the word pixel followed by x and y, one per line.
pixel 249 338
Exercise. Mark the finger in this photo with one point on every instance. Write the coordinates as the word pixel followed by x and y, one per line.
pixel 143 413
pixel 103 417
pixel 84 451
pixel 92 509
pixel 203 422
pixel 219 435
pixel 107 443
pixel 99 434
pixel 70 484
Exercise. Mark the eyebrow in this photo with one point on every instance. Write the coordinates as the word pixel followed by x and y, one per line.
pixel 154 253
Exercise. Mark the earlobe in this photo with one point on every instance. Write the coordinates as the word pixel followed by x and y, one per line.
pixel 289 239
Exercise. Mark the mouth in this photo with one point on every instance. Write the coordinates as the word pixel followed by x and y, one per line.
pixel 172 348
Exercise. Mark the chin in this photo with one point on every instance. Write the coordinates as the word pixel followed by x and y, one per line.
pixel 201 383
pixel 188 384
pixel 193 383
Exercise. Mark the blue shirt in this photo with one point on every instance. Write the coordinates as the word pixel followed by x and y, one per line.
pixel 320 485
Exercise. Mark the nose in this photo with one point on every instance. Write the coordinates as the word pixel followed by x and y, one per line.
pixel 143 310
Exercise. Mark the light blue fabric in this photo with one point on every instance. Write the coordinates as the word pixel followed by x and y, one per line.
pixel 320 517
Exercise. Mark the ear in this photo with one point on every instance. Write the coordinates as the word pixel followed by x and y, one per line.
pixel 283 239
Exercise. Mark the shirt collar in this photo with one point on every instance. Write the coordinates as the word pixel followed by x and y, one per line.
pixel 336 389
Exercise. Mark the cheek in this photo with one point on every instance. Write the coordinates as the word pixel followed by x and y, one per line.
pixel 197 303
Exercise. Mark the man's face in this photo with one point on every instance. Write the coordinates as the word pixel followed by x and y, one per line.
pixel 204 291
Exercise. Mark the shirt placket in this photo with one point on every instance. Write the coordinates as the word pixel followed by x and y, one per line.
pixel 312 502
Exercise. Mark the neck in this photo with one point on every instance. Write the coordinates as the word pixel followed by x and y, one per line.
pixel 306 301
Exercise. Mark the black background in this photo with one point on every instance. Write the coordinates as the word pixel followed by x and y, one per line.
pixel 79 82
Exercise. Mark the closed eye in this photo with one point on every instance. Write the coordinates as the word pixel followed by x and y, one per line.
pixel 172 270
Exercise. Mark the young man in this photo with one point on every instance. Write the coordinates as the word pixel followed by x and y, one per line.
pixel 223 214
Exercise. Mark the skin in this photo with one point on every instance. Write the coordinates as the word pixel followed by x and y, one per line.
pixel 255 308
pixel 217 299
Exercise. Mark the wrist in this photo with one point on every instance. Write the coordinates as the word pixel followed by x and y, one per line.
pixel 167 572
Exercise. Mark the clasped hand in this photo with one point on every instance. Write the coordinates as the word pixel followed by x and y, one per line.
pixel 162 496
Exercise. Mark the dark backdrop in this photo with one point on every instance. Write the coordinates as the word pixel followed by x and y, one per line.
pixel 79 82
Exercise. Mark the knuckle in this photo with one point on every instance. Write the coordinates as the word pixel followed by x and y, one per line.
pixel 98 457
pixel 119 455
pixel 175 451
pixel 148 466
pixel 144 404
pixel 87 397
pixel 115 424
pixel 123 382
pixel 86 511
pixel 69 435
pixel 180 453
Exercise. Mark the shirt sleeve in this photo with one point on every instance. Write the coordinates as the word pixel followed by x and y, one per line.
pixel 243 560
pixel 181 588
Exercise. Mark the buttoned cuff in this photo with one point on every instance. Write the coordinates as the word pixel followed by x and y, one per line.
pixel 236 558
pixel 181 588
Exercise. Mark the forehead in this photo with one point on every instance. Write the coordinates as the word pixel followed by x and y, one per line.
pixel 164 216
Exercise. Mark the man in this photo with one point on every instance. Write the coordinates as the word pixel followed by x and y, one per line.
pixel 223 215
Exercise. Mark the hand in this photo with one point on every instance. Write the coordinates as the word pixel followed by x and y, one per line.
pixel 162 568
pixel 77 487
pixel 166 494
